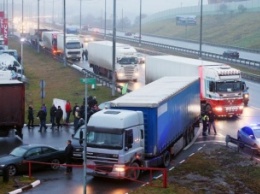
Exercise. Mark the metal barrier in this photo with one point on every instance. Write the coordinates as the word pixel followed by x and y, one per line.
pixel 164 171
pixel 241 145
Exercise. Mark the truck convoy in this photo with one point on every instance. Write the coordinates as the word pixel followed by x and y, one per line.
pixel 143 128
pixel 12 103
pixel 54 42
pixel 100 59
pixel 221 87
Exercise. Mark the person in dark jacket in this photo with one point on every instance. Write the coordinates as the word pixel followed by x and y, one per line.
pixel 211 116
pixel 53 115
pixel 68 155
pixel 59 114
pixel 42 116
pixel 30 117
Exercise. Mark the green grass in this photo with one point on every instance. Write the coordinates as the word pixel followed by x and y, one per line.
pixel 219 170
pixel 61 82
pixel 237 29
pixel 12 183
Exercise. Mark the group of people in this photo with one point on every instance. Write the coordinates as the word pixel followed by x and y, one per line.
pixel 56 114
pixel 79 111
pixel 208 122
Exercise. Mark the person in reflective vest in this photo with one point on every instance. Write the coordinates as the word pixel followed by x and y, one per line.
pixel 205 122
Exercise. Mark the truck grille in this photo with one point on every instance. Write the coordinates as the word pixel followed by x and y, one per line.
pixel 103 167
pixel 73 52
pixel 129 71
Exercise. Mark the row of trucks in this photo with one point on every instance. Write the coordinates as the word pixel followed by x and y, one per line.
pixel 143 128
pixel 54 42
pixel 221 87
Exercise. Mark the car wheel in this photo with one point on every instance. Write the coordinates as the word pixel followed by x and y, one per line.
pixel 12 170
pixel 55 164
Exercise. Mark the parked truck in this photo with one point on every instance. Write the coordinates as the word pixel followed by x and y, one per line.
pixel 143 128
pixel 221 87
pixel 12 103
pixel 100 59
pixel 49 41
pixel 73 46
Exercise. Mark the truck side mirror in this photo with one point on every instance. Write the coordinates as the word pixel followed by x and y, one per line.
pixel 211 87
pixel 81 137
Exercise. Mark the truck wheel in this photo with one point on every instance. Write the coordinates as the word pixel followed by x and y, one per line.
pixel 166 159
pixel 134 173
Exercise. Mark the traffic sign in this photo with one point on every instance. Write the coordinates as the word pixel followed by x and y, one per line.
pixel 88 80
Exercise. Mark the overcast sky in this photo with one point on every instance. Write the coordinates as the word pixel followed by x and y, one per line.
pixel 130 8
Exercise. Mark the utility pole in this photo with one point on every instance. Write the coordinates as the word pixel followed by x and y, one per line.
pixel 64 33
pixel 114 50
pixel 201 11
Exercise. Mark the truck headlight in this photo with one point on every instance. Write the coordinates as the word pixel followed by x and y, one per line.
pixel 246 96
pixel 241 107
pixel 219 109
pixel 119 168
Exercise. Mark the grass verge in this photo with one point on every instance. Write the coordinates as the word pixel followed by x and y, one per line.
pixel 14 183
pixel 214 169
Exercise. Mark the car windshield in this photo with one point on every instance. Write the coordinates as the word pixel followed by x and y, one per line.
pixel 128 60
pixel 18 151
pixel 257 133
pixel 228 87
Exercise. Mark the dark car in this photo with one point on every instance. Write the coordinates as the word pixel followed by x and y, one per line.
pixel 14 162
pixel 231 54
pixel 250 135
pixel 128 34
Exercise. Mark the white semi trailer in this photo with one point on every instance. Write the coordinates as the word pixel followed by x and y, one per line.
pixel 126 62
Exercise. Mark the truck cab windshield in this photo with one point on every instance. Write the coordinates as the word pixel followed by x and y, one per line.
pixel 228 87
pixel 105 140
pixel 73 45
pixel 127 60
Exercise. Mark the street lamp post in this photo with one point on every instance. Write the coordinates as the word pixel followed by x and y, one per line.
pixel 140 23
pixel 38 26
pixel 64 33
pixel 105 28
pixel 80 15
pixel 201 11
pixel 22 41
pixel 22 18
pixel 114 49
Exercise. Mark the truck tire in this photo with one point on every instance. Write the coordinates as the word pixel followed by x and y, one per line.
pixel 166 159
pixel 134 173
